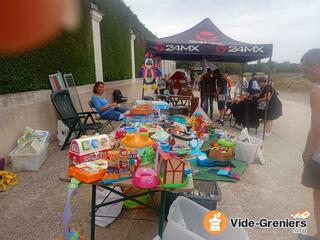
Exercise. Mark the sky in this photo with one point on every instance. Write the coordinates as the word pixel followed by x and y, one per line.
pixel 292 26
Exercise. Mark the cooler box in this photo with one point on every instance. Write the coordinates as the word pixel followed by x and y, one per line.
pixel 185 221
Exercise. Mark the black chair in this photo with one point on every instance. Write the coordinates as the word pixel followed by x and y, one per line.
pixel 118 97
pixel 98 119
pixel 76 122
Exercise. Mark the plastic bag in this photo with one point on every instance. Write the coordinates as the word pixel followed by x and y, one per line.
pixel 62 132
pixel 244 136
pixel 112 211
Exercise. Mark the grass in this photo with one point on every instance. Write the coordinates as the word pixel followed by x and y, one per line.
pixel 285 81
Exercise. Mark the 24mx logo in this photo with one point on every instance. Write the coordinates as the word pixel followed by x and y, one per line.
pixel 182 48
pixel 244 49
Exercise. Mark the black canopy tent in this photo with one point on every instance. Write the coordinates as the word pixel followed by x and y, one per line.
pixel 206 41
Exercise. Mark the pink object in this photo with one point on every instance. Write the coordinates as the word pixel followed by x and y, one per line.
pixel 145 178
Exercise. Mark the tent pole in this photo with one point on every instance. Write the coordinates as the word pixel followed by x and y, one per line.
pixel 241 80
pixel 267 101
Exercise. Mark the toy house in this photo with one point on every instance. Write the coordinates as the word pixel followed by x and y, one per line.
pixel 171 170
pixel 89 149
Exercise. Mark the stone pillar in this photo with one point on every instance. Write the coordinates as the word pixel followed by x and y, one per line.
pixel 96 17
pixel 133 65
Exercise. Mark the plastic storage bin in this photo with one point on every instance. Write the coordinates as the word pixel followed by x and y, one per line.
pixel 205 193
pixel 185 222
pixel 248 151
pixel 28 162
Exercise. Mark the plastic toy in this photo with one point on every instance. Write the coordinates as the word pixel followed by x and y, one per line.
pixel 120 133
pixel 69 234
pixel 202 160
pixel 226 172
pixel 219 152
pixel 170 169
pixel 165 147
pixel 121 165
pixel 198 124
pixel 142 143
pixel 145 178
pixel 89 172
pixel 89 149
pixel 7 179
pixel 156 105
pixel 226 142
pixel 129 204
pixel 141 109
pixel 160 136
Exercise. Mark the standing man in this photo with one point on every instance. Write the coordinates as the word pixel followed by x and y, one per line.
pixel 229 84
pixel 311 154
pixel 221 94
pixel 207 90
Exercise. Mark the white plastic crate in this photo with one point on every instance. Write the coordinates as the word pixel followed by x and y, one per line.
pixel 185 222
pixel 28 161
pixel 248 151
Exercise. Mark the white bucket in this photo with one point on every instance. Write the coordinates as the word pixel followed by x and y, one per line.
pixel 248 151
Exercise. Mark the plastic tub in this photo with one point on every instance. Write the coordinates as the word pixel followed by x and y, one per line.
pixel 208 195
pixel 248 151
pixel 28 162
pixel 185 222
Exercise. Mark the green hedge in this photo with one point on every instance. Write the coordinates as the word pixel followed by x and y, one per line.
pixel 70 52
pixel 73 52
pixel 115 27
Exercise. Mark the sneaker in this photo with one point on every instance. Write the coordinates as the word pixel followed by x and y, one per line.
pixel 305 237
pixel 218 121
pixel 222 122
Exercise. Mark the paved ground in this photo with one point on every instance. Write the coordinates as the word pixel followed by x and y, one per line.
pixel 32 209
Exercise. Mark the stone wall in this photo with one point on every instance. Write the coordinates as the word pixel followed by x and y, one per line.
pixel 34 109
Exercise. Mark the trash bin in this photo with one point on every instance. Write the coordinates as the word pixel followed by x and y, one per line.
pixel 205 193
pixel 185 222
pixel 247 151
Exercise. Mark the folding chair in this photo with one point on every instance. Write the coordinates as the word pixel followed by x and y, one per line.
pixel 62 102
pixel 97 117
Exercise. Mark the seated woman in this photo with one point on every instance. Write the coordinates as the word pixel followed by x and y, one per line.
pixel 274 107
pixel 107 111
pixel 238 101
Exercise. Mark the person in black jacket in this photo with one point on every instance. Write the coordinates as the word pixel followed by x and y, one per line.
pixel 268 101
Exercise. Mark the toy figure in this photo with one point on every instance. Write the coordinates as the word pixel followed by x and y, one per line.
pixel 149 71
pixel 113 158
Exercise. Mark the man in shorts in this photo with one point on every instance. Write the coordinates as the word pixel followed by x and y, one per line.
pixel 311 154
pixel 221 94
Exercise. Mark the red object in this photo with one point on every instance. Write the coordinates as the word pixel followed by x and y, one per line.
pixel 176 79
pixel 120 133
pixel 143 129
pixel 194 104
pixel 178 76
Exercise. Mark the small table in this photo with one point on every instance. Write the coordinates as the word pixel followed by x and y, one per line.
pixel 176 100
pixel 127 183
